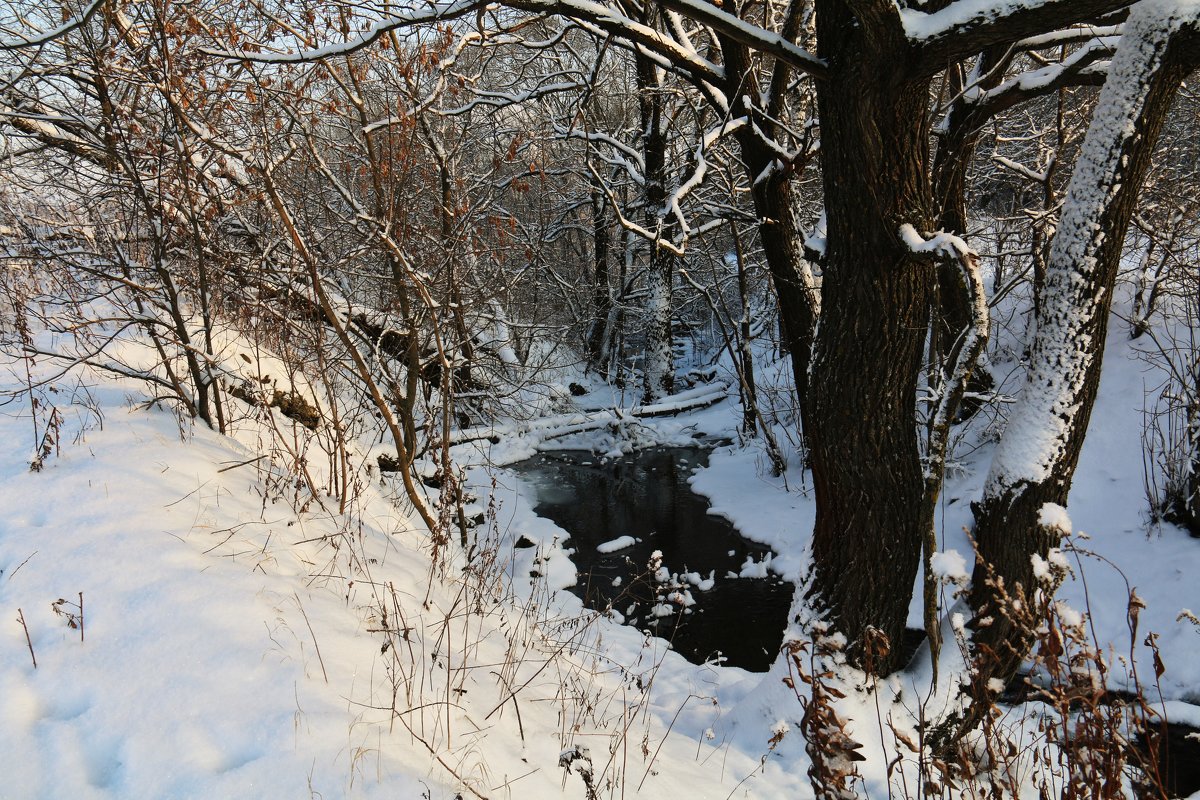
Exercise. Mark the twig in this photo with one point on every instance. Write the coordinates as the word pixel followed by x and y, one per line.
pixel 28 641
pixel 441 760
pixel 516 705
pixel 23 563
pixel 316 646
pixel 242 463
pixel 509 782
pixel 663 741
pixel 81 617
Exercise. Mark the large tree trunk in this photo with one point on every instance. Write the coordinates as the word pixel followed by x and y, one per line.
pixel 875 300
pixel 1037 456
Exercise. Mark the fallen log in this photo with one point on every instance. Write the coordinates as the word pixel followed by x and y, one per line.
pixel 556 427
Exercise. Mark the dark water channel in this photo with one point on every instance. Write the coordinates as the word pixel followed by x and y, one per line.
pixel 645 495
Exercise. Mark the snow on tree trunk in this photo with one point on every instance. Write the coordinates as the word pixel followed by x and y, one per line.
pixel 1037 455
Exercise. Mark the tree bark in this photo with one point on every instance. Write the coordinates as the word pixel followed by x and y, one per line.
pixel 875 301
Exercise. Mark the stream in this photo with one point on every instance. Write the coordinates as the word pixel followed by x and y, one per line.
pixel 710 595
pixel 645 496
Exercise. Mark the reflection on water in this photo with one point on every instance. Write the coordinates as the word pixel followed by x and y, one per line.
pixel 689 597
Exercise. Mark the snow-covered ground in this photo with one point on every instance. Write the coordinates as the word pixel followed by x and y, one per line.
pixel 234 646
pixel 240 641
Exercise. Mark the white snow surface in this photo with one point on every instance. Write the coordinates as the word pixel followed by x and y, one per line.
pixel 205 607
pixel 198 673
pixel 232 644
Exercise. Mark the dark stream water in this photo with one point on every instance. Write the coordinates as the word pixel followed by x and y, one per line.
pixel 646 495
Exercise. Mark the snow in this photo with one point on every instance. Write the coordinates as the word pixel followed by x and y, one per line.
pixel 620 543
pixel 950 567
pixel 943 244
pixel 755 569
pixel 200 654
pixel 817 241
pixel 662 610
pixel 682 599
pixel 1070 617
pixel 1055 517
pixel 194 677
pixel 1041 569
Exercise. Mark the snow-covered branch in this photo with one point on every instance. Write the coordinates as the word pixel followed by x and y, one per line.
pixel 1021 169
pixel 748 34
pixel 1085 66
pixel 965 27
pixel 22 41
pixel 709 139
pixel 624 157
pixel 940 244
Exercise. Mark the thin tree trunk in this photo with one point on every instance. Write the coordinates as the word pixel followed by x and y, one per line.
pixel 601 291
pixel 658 367
pixel 781 238
pixel 749 389
pixel 955 150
